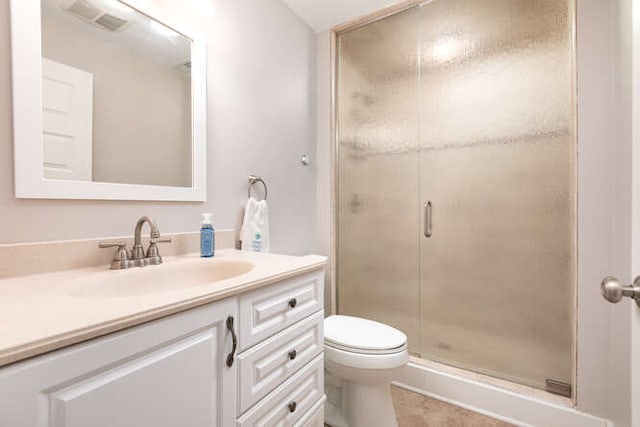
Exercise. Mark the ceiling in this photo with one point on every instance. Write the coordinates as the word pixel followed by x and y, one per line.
pixel 139 36
pixel 322 15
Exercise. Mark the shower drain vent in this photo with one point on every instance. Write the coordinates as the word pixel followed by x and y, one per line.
pixel 558 387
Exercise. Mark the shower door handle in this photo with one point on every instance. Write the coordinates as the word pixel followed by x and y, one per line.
pixel 613 291
pixel 427 218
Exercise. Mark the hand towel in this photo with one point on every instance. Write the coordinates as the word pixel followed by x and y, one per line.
pixel 254 234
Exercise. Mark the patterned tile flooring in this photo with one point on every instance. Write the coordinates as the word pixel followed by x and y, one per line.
pixel 416 410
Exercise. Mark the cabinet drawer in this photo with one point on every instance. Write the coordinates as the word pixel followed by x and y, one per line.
pixel 315 416
pixel 271 309
pixel 268 364
pixel 291 401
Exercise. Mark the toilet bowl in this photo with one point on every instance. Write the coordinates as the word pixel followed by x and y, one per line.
pixel 361 358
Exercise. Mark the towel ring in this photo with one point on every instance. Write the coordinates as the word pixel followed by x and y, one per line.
pixel 253 179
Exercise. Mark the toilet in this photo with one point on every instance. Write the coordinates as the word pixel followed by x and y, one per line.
pixel 361 357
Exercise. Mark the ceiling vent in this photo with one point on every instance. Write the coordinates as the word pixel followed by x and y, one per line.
pixel 90 12
pixel 110 22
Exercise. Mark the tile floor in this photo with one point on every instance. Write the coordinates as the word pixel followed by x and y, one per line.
pixel 416 410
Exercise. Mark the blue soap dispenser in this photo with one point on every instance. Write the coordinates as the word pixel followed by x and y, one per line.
pixel 207 237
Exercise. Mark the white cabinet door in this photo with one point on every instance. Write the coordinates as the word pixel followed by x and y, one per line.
pixel 167 373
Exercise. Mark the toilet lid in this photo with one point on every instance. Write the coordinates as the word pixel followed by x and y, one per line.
pixel 362 334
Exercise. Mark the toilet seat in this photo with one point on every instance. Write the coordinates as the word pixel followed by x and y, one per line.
pixel 349 359
pixel 361 336
pixel 365 350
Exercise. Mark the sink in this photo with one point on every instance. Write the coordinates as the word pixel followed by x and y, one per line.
pixel 154 279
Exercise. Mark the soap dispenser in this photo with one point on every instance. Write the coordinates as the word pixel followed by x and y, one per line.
pixel 207 237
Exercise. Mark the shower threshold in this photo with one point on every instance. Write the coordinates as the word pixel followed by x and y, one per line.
pixel 497 398
pixel 511 386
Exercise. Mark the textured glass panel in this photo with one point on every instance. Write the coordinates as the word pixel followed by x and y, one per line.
pixel 378 235
pixel 497 143
pixel 493 111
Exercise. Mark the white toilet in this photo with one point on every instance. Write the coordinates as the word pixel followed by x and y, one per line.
pixel 360 358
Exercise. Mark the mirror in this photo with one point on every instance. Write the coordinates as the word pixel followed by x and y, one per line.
pixel 120 103
pixel 109 76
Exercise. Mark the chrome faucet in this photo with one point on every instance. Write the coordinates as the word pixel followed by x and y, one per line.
pixel 138 257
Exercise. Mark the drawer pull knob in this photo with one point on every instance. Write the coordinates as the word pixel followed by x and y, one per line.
pixel 234 339
pixel 293 354
pixel 292 406
pixel 293 302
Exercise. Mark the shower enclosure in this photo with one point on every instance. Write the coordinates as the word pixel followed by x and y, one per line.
pixel 456 204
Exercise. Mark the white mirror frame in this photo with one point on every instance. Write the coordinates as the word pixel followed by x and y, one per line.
pixel 27 119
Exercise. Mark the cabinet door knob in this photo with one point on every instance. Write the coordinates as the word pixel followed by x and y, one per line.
pixel 293 354
pixel 293 302
pixel 292 406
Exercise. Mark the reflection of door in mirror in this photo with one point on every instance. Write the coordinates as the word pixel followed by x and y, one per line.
pixel 140 114
pixel 67 112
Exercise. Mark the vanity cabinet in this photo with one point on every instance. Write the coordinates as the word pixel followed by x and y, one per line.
pixel 174 372
pixel 280 366
pixel 166 373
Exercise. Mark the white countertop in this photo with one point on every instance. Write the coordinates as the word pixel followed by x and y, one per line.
pixel 44 312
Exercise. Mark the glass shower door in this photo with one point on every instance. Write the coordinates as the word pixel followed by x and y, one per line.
pixel 378 173
pixel 496 161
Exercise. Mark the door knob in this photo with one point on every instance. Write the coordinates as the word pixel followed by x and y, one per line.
pixel 613 291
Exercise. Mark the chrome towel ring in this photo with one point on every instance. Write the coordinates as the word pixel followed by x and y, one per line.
pixel 253 179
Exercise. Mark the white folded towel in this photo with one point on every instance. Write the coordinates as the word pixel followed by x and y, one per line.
pixel 254 234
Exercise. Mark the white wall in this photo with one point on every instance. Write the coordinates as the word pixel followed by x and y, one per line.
pixel 324 184
pixel 596 199
pixel 620 399
pixel 261 119
pixel 634 160
pixel 604 165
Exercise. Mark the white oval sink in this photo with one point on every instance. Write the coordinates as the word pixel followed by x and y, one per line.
pixel 155 279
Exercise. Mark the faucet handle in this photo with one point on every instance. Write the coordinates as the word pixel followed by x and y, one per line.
pixel 161 239
pixel 121 257
pixel 153 254
pixel 119 243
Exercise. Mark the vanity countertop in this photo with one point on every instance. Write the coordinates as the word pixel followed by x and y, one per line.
pixel 44 312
